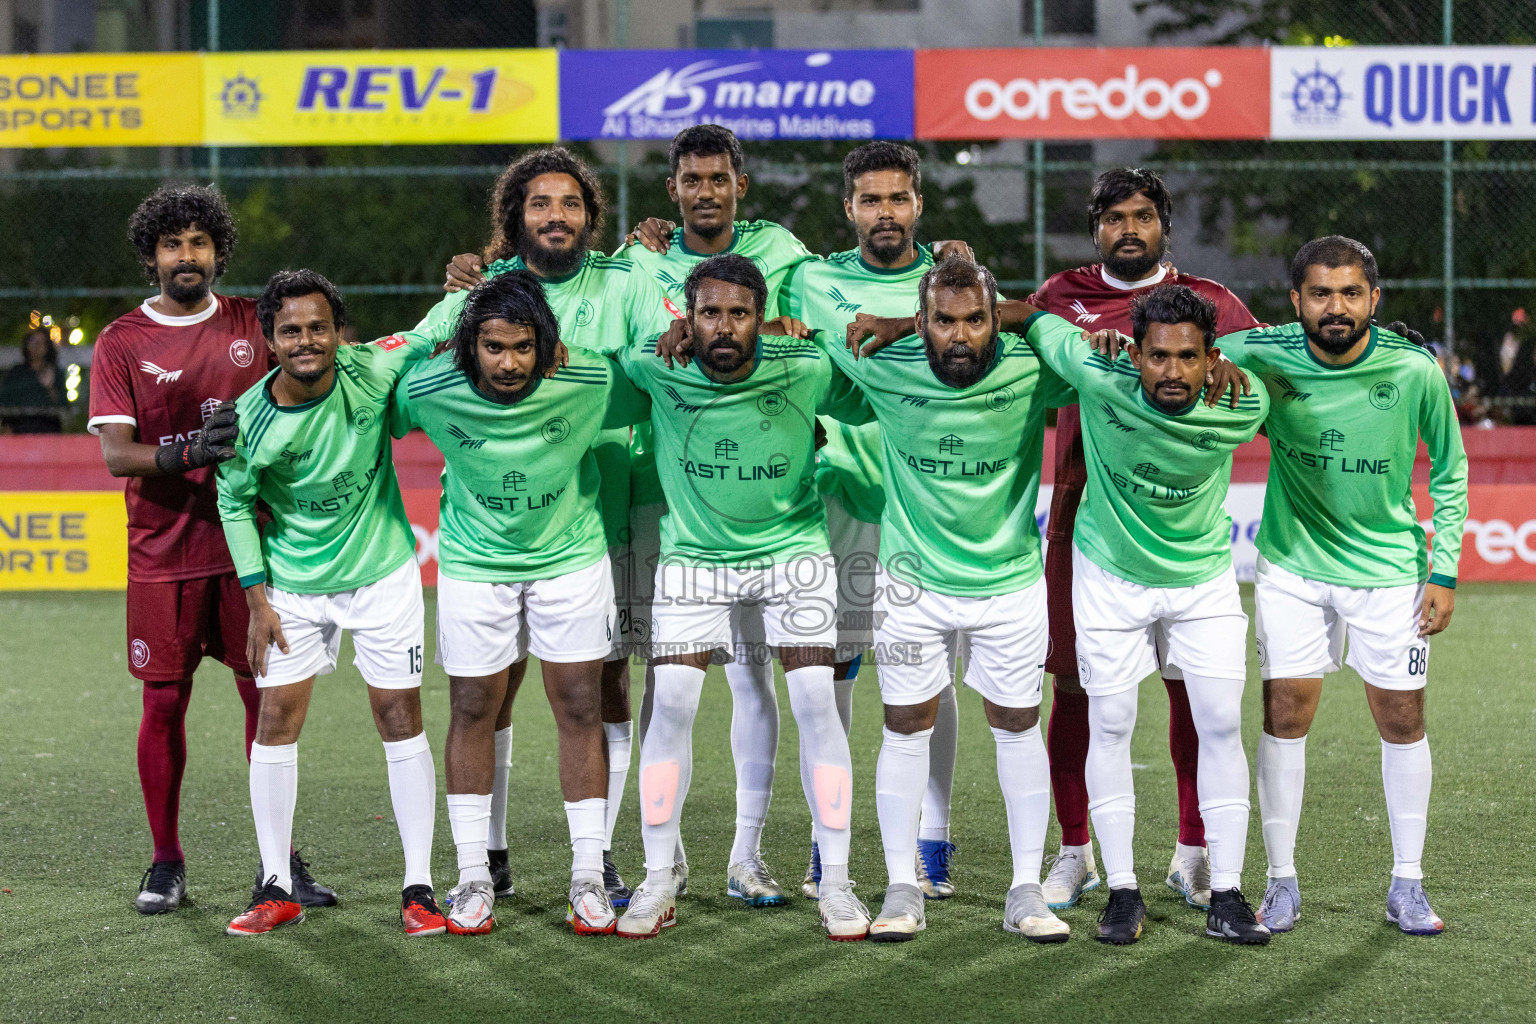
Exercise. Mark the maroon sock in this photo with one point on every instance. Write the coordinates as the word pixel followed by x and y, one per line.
pixel 162 760
pixel 1184 745
pixel 1067 745
pixel 250 696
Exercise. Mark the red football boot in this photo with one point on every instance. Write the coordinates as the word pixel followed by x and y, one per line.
pixel 419 913
pixel 270 908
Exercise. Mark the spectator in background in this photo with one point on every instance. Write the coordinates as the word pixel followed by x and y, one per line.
pixel 1517 372
pixel 32 392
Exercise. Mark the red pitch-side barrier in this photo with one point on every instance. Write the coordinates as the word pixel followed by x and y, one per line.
pixel 1500 541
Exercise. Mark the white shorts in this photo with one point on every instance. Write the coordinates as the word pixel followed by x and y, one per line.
pixel 693 606
pixel 384 618
pixel 1302 624
pixel 856 553
pixel 921 633
pixel 1125 629
pixel 484 627
pixel 634 581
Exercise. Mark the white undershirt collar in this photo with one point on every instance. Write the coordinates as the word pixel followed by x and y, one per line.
pixel 180 321
pixel 1126 286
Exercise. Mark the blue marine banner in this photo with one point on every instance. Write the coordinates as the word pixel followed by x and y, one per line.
pixel 758 94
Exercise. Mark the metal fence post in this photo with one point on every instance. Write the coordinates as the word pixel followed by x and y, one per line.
pixel 1448 211
pixel 1039 162
pixel 213 47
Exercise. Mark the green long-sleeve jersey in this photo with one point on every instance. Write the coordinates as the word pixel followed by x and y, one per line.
pixel 1154 511
pixel 603 306
pixel 324 470
pixel 776 252
pixel 961 466
pixel 827 294
pixel 1338 507
pixel 737 460
pixel 520 486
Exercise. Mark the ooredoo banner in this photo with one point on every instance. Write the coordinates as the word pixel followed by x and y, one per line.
pixel 758 94
pixel 1054 93
pixel 1403 92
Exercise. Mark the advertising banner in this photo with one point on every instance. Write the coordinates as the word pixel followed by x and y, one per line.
pixel 1059 93
pixel 1499 542
pixel 101 99
pixel 368 97
pixel 758 94
pixel 1403 92
pixel 63 540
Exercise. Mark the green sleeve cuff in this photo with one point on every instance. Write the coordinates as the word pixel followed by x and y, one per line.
pixel 1440 580
pixel 1032 318
pixel 254 578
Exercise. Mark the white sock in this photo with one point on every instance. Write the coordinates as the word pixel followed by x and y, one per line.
pixel 647 705
pixel 666 762
pixel 274 791
pixel 843 689
pixel 501 771
pixel 469 818
pixel 1406 773
pixel 900 774
pixel 1222 778
pixel 941 769
pixel 1111 791
pixel 1282 777
pixel 754 741
pixel 587 822
pixel 413 791
pixel 828 783
pixel 620 744
pixel 1024 772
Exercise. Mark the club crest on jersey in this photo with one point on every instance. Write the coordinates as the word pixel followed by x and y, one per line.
pixel 390 343
pixel 242 353
pixel 363 419
pixel 556 429
pixel 1383 395
pixel 1206 440
pixel 1001 399
pixel 139 652
pixel 584 313
pixel 1083 316
pixel 772 403
pixel 160 373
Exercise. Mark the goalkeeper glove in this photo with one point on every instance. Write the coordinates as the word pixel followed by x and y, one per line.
pixel 1399 328
pixel 210 446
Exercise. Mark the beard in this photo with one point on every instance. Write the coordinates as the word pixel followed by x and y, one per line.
pixel 185 294
pixel 1174 402
pixel 721 362
pixel 1340 346
pixel 1132 266
pixel 890 252
pixel 503 397
pixel 307 379
pixel 961 366
pixel 710 232
pixel 555 262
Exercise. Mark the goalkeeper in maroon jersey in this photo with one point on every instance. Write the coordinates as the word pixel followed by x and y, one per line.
pixel 163 382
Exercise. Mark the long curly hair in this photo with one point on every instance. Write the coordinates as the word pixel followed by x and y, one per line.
pixel 516 297
pixel 511 191
pixel 170 210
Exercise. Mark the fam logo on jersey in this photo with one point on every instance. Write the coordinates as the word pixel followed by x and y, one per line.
pixel 139 652
pixel 160 373
pixel 843 305
pixel 1206 440
pixel 390 343
pixel 1115 421
pixel 951 444
pixel 1083 316
pixel 514 481
pixel 364 418
pixel 772 403
pixel 465 441
pixel 242 353
pixel 1001 399
pixel 556 429
pixel 1384 395
pixel 671 308
pixel 584 313
pixel 1316 96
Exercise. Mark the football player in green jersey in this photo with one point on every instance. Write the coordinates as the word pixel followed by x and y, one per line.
pixel 338 555
pixel 523 565
pixel 545 210
pixel 883 200
pixel 1153 580
pixel 962 412
pixel 1341 552
pixel 735 436
pixel 707 183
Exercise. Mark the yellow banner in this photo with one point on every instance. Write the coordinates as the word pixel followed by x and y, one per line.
pixel 63 540
pixel 368 97
pixel 101 99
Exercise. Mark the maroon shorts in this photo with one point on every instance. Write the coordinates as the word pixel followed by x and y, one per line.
pixel 1066 494
pixel 173 626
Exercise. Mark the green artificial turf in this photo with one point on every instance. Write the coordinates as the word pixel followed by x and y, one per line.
pixel 73 843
